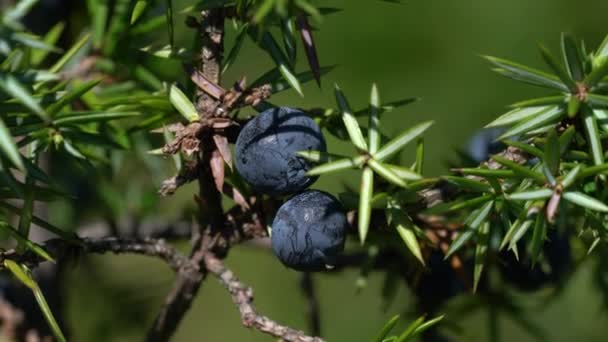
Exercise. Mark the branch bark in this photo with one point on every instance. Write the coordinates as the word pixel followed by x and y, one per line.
pixel 61 249
pixel 211 219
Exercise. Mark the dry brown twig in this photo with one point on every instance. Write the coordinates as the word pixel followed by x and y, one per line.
pixel 242 295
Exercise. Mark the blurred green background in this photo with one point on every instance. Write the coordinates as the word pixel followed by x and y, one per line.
pixel 428 49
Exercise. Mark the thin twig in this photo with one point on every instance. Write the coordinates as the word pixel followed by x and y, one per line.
pixel 242 295
pixel 62 249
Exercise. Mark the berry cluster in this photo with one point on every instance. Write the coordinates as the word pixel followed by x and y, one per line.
pixel 309 229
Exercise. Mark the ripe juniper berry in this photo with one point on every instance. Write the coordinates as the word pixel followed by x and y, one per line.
pixel 266 151
pixel 309 231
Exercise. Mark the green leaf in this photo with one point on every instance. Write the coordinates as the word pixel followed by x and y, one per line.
pixel 533 150
pixel 385 172
pixel 421 184
pixel 169 15
pixel 520 169
pixel 269 44
pixel 365 199
pixel 517 115
pixel 602 118
pixel 88 117
pixel 601 54
pixel 597 74
pixel 278 84
pixel 487 173
pixel 263 10
pixel 585 201
pixel 319 157
pixel 8 147
pixel 468 184
pixel 525 74
pixel 51 38
pixel 236 47
pixel 557 69
pixel 409 331
pixel 25 218
pixel 69 236
pixel 547 173
pixel 138 10
pixel 538 238
pixel 419 156
pixel 291 78
pixel 479 216
pixel 207 5
pixel 566 138
pixel 22 273
pixel 593 136
pixel 350 122
pixel 571 177
pixel 337 165
pixel 71 149
pixel 573 57
pixel 405 227
pixel 70 53
pixel 592 171
pixel 308 8
pixel 72 96
pixel 472 223
pixel 598 101
pixel 289 42
pixel 388 107
pixel 574 105
pixel 426 325
pixel 149 26
pixel 169 51
pixel 18 11
pixel 395 145
pixel 514 226
pixel 19 273
pixel 27 244
pixel 117 26
pixel 9 179
pixel 374 120
pixel 552 152
pixel 13 87
pixel 530 195
pixel 403 172
pixel 542 101
pixel 143 75
pixel 548 116
pixel 519 232
pixel 99 11
pixel 48 314
pixel 481 250
pixel 32 41
pixel 457 205
pixel 183 105
pixel 386 329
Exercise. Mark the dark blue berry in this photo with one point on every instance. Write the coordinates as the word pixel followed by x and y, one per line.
pixel 309 231
pixel 483 144
pixel 266 151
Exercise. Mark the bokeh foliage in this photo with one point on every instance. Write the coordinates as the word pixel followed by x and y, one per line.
pixel 88 123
